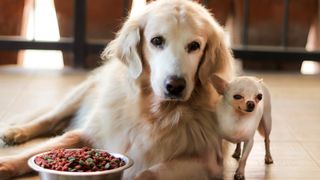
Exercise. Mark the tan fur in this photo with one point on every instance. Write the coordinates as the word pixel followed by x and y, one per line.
pixel 117 109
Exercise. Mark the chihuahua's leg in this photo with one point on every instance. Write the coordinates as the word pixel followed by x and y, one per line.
pixel 51 122
pixel 11 166
pixel 239 175
pixel 237 151
pixel 268 158
pixel 266 124
pixel 265 129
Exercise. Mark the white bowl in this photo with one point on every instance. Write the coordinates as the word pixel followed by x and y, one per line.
pixel 113 174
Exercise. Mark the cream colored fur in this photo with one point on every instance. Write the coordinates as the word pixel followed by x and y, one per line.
pixel 121 107
pixel 237 121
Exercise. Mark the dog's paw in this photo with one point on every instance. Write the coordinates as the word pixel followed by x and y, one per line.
pixel 268 159
pixel 14 136
pixel 7 169
pixel 239 176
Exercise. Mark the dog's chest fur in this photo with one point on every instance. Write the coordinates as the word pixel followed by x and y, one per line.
pixel 176 129
pixel 134 123
pixel 234 127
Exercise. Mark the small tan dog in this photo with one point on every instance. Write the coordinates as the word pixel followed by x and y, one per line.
pixel 243 108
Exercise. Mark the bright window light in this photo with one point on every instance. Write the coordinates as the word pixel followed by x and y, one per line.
pixel 42 25
pixel 310 67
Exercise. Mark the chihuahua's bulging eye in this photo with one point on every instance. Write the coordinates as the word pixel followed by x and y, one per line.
pixel 259 97
pixel 158 41
pixel 237 97
pixel 193 46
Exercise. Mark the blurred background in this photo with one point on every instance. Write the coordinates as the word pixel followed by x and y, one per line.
pixel 47 48
pixel 277 35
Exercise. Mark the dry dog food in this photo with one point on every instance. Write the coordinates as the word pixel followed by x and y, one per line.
pixel 80 160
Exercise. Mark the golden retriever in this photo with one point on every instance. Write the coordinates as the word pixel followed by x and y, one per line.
pixel 151 100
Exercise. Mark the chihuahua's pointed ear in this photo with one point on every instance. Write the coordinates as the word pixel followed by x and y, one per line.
pixel 125 47
pixel 217 58
pixel 220 84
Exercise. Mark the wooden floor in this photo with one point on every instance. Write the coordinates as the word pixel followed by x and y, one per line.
pixel 295 139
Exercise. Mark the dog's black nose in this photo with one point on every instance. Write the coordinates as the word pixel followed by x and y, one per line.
pixel 175 85
pixel 250 106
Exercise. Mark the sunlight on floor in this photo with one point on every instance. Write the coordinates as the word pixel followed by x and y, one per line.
pixel 43 26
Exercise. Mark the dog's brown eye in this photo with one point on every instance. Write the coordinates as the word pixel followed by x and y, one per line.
pixel 237 97
pixel 193 46
pixel 158 41
pixel 259 97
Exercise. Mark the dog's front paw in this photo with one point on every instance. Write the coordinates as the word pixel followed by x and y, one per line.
pixel 7 169
pixel 239 176
pixel 268 159
pixel 14 136
pixel 146 175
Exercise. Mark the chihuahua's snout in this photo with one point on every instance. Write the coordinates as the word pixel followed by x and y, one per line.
pixel 174 86
pixel 250 106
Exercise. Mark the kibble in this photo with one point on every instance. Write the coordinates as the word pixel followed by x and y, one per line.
pixel 81 160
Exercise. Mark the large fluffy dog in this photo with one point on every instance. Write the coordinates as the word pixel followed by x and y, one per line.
pixel 150 100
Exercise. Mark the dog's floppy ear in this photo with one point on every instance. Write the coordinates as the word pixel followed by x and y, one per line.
pixel 125 47
pixel 220 84
pixel 217 59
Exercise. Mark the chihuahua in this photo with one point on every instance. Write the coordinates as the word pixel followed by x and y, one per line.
pixel 243 108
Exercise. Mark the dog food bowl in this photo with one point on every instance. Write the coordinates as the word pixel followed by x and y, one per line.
pixel 112 174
